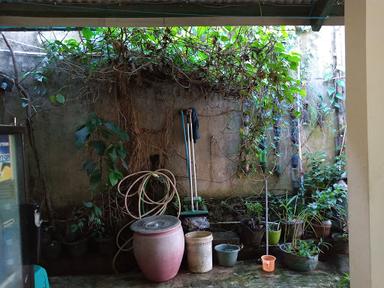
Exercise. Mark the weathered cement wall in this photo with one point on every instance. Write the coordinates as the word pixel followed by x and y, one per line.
pixel 217 151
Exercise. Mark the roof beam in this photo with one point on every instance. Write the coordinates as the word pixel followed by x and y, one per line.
pixel 9 23
pixel 186 9
pixel 320 11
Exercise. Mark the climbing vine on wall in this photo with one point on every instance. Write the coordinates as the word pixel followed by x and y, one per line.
pixel 253 64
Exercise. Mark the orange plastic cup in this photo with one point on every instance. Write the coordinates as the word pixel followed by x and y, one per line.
pixel 268 263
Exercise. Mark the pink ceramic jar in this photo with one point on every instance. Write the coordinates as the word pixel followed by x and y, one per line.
pixel 158 245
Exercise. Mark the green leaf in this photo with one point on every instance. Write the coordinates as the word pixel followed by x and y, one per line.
pixel 60 98
pixel 81 136
pixel 89 166
pixel 331 91
pixel 112 153
pixel 99 147
pixel 340 96
pixel 341 83
pixel 114 177
pixel 52 99
pixel 95 179
pixel 112 127
pixel 87 33
pixel 88 204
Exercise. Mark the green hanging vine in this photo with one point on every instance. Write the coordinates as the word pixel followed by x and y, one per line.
pixel 252 64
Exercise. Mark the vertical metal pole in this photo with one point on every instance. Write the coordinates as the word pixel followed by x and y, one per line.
pixel 185 143
pixel 193 157
pixel 266 218
pixel 190 166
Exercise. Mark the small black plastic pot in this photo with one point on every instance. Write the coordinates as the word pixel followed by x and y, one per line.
pixel 76 248
pixel 250 237
pixel 104 246
pixel 52 250
pixel 340 243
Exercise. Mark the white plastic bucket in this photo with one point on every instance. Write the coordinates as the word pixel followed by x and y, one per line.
pixel 199 251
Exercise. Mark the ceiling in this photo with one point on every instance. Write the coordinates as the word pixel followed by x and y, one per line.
pixel 299 12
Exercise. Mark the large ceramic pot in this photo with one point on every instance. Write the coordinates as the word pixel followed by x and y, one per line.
pixel 158 246
pixel 298 263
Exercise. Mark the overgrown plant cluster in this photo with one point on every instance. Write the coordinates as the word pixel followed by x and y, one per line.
pixel 253 64
pixel 311 222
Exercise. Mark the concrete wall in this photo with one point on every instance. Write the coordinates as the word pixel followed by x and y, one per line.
pixel 220 119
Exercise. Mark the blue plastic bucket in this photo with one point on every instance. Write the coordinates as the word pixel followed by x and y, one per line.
pixel 227 254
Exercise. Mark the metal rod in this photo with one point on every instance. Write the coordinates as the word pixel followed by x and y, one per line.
pixel 266 217
pixel 193 157
pixel 185 142
pixel 190 167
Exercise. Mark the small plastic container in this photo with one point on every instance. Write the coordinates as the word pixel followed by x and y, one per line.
pixel 268 263
pixel 227 254
pixel 199 251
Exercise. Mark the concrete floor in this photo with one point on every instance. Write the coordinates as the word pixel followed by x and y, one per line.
pixel 244 274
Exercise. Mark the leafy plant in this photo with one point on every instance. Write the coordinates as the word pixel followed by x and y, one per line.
pixel 304 248
pixel 320 173
pixel 328 204
pixel 77 225
pixel 104 142
pixel 95 220
pixel 288 208
pixel 254 64
pixel 344 281
pixel 254 210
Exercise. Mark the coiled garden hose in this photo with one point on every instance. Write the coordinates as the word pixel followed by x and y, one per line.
pixel 158 207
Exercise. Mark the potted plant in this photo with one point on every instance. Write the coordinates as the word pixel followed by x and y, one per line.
pixel 51 248
pixel 290 213
pixel 101 237
pixel 252 227
pixel 326 204
pixel 301 255
pixel 76 234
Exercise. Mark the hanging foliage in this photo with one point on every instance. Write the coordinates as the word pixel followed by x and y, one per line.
pixel 252 64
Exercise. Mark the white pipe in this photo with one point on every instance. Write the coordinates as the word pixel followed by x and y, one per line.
pixel 266 218
pixel 193 157
pixel 190 166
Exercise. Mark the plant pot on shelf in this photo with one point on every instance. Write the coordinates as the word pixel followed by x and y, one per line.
pixel 292 229
pixel 250 237
pixel 296 262
pixel 76 248
pixel 323 229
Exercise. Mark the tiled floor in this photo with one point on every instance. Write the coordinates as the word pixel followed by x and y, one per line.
pixel 244 274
